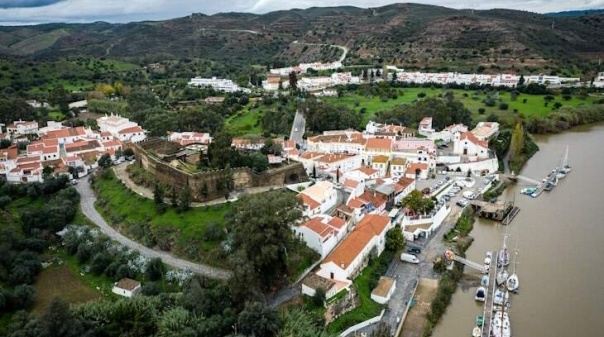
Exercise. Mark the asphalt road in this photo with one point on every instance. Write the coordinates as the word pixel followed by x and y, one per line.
pixel 87 200
pixel 298 126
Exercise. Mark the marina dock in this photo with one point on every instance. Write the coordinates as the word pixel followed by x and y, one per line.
pixel 487 313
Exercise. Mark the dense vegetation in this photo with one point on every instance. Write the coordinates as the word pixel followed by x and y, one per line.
pixel 31 214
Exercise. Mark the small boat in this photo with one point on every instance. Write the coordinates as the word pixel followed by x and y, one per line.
pixel 566 168
pixel 502 276
pixel 484 281
pixel 476 331
pixel 479 320
pixel 480 294
pixel 512 283
pixel 560 174
pixel 501 325
pixel 501 297
pixel 528 190
pixel 504 257
pixel 488 258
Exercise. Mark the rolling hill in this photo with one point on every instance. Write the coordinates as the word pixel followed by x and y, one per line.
pixel 408 35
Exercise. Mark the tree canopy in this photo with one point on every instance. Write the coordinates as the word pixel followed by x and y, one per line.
pixel 444 111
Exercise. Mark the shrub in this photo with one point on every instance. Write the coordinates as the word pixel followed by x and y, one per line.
pixel 482 111
pixel 503 106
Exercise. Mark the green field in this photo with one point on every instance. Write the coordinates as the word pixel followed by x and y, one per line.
pixel 535 105
pixel 128 207
pixel 64 283
pixel 245 122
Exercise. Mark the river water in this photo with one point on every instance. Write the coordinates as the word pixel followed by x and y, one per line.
pixel 560 239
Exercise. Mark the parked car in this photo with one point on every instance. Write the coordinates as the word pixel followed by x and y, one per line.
pixel 409 258
pixel 440 183
pixel 451 194
pixel 446 197
pixel 414 250
pixel 462 203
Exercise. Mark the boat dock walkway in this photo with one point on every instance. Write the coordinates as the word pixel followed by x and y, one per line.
pixel 511 215
pixel 488 303
pixel 470 264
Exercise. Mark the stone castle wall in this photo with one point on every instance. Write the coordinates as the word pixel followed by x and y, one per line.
pixel 170 176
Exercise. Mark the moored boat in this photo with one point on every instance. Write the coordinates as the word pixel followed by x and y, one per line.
pixel 512 283
pixel 501 297
pixel 528 190
pixel 480 294
pixel 488 258
pixel 479 320
pixel 501 325
pixel 502 276
pixel 476 332
pixel 484 281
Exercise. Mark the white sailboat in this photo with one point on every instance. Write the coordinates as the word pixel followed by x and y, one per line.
pixel 476 332
pixel 501 325
pixel 503 258
pixel 502 276
pixel 565 165
pixel 513 283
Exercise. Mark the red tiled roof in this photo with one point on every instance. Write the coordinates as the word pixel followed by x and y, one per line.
pixel 370 226
pixel 308 201
pixel 470 136
pixel 367 170
pixel 65 133
pixel 378 143
pixel 337 222
pixel 133 129
pixel 318 227
pixel 351 183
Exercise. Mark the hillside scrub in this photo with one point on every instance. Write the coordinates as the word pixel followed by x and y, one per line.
pixel 565 118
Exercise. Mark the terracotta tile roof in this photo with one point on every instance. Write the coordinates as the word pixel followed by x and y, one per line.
pixel 317 226
pixel 112 143
pixel 356 203
pixel 367 170
pixel 30 159
pixel 308 201
pixel 370 226
pixel 289 144
pixel 355 138
pixel 398 161
pixel 380 159
pixel 416 166
pixel 333 158
pixel 470 137
pixel 426 120
pixel 311 155
pixel 127 284
pixel 406 182
pixel 376 199
pixel 351 183
pixel 82 145
pixel 378 143
pixel 133 129
pixel 337 222
pixel 65 133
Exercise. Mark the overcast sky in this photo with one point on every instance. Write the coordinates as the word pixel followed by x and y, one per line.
pixel 15 12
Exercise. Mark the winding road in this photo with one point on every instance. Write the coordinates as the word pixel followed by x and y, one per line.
pixel 87 200
pixel 343 48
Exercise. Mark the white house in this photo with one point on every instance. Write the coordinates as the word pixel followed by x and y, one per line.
pixel 403 187
pixel 347 259
pixel 398 166
pixel 346 141
pixel 188 138
pixel 27 169
pixel 342 162
pixel 417 171
pixel 218 84
pixel 485 130
pixel 319 198
pixel 362 174
pixel 466 144
pixel 121 128
pixel 22 128
pixel 322 233
pixel 599 80
pixel 126 287
pixel 377 147
pixel 380 163
pixel 425 127
pixel 47 149
pixel 384 290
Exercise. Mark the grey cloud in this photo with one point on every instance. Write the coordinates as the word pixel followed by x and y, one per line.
pixel 27 3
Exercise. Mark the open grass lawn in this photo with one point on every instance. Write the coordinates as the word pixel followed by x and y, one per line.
pixel 62 282
pixel 245 122
pixel 534 106
pixel 57 116
pixel 133 208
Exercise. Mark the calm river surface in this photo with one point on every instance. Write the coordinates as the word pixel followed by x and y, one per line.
pixel 561 246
